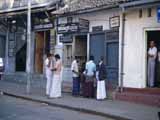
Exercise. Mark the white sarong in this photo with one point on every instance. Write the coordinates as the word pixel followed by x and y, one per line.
pixel 101 90
pixel 49 76
pixel 55 90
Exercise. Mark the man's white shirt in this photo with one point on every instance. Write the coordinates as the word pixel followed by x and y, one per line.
pixel 74 67
pixel 91 68
pixel 153 51
pixel 48 69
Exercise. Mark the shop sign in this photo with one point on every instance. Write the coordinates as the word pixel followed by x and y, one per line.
pixel 66 39
pixel 70 27
pixel 114 21
pixel 97 28
pixel 81 25
pixel 158 14
pixel 43 26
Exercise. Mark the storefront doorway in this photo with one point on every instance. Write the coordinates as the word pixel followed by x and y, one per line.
pixel 81 49
pixel 21 52
pixel 155 36
pixel 2 46
pixel 42 40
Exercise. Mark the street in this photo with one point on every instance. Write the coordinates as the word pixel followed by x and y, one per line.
pixel 18 109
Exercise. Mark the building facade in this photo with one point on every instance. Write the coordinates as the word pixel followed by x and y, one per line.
pixel 97 35
pixel 13 36
pixel 141 26
pixel 118 32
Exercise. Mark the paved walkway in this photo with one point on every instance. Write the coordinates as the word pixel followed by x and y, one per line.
pixel 115 109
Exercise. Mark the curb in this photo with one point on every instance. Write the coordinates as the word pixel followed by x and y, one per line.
pixel 83 110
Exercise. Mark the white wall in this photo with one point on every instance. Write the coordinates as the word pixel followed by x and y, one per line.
pixel 99 18
pixel 135 47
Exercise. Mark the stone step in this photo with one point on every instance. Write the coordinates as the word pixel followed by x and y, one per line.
pixel 141 98
pixel 155 91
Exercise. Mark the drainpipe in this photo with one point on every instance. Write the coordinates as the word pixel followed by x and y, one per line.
pixel 122 50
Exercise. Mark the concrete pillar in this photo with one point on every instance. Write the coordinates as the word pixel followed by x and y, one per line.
pixel 6 51
pixel 29 46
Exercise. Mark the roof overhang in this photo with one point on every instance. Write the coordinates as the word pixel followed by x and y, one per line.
pixel 48 6
pixel 139 4
pixel 87 10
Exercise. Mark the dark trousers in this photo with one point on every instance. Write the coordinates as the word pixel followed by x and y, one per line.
pixel 76 86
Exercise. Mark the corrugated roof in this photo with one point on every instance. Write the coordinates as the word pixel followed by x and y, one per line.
pixel 77 5
pixel 13 5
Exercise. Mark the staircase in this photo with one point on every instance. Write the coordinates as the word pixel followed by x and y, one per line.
pixel 147 96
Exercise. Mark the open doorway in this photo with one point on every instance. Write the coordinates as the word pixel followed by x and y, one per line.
pixel 21 52
pixel 155 36
pixel 42 47
pixel 81 49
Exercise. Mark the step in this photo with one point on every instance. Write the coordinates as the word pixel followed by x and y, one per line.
pixel 141 98
pixel 155 91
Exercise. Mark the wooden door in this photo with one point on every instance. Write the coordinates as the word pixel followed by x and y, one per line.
pixel 39 50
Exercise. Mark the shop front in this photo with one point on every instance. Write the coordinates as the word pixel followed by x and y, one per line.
pixel 44 43
pixel 139 31
pixel 74 36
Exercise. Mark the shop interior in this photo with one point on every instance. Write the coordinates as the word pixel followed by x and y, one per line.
pixel 81 49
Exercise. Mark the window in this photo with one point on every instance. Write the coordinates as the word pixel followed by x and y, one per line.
pixel 69 19
pixel 149 12
pixel 140 13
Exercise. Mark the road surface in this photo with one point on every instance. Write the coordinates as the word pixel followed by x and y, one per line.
pixel 17 109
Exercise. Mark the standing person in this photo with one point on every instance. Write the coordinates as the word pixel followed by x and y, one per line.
pixel 75 75
pixel 90 75
pixel 55 91
pixel 152 54
pixel 101 77
pixel 49 73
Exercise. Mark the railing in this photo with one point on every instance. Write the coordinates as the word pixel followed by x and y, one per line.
pixel 11 4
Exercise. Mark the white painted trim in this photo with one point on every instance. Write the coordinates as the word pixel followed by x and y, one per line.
pixel 145 49
pixel 88 45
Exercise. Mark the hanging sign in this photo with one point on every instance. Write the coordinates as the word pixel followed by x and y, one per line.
pixel 114 21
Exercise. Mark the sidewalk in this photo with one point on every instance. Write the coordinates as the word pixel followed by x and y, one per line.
pixel 116 109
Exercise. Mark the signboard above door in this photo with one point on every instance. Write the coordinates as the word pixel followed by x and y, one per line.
pixel 66 38
pixel 43 26
pixel 114 21
pixel 72 26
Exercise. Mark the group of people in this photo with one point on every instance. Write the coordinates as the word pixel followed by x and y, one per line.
pixel 53 74
pixel 83 80
pixel 91 77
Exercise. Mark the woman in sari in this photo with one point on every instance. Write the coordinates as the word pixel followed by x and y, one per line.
pixel 56 82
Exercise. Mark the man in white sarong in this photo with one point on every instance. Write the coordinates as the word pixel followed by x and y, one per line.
pixel 152 54
pixel 101 78
pixel 55 91
pixel 49 73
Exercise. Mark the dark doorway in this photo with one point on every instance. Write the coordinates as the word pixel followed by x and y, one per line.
pixel 155 36
pixel 21 58
pixel 81 48
pixel 2 46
